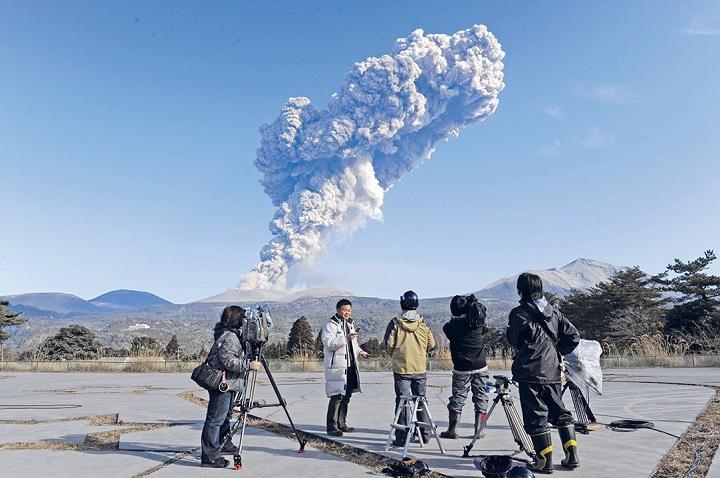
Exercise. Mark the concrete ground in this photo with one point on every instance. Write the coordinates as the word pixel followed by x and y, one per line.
pixel 39 416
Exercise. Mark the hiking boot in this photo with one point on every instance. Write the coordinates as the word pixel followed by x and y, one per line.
pixel 335 433
pixel 346 429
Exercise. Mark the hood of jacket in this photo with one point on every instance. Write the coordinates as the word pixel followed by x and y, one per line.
pixel 410 320
pixel 541 309
pixel 221 329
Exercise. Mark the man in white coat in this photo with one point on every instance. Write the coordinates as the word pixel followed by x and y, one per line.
pixel 342 377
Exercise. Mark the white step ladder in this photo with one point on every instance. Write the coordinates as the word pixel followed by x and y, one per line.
pixel 410 405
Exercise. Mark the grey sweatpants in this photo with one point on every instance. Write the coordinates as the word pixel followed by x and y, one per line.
pixel 462 384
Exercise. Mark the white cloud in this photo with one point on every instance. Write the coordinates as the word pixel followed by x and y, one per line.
pixel 554 111
pixel 614 94
pixel 705 26
pixel 551 150
pixel 598 138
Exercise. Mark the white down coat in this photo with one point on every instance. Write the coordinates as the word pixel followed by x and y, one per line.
pixel 336 355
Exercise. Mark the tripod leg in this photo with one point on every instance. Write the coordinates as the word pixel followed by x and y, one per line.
pixel 282 402
pixel 242 420
pixel 483 424
pixel 516 427
pixel 579 404
pixel 228 436
pixel 239 398
pixel 582 407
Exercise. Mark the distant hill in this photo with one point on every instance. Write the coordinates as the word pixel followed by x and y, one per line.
pixel 579 274
pixel 128 299
pixel 51 303
pixel 119 316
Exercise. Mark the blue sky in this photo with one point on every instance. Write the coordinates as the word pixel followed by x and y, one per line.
pixel 128 132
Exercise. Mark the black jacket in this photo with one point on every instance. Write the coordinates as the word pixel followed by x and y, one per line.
pixel 537 360
pixel 467 346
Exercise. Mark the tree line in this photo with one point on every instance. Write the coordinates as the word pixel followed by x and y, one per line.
pixel 675 311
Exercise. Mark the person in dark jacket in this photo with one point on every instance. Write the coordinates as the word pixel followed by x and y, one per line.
pixel 541 335
pixel 226 354
pixel 470 371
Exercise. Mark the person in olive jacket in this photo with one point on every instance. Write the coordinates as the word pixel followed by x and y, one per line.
pixel 408 340
pixel 541 335
pixel 465 331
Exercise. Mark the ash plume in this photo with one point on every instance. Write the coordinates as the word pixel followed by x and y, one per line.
pixel 327 170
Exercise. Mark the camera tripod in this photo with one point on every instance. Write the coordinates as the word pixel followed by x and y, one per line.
pixel 245 401
pixel 502 396
pixel 585 418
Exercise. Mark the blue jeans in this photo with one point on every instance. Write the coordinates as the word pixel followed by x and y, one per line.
pixel 217 424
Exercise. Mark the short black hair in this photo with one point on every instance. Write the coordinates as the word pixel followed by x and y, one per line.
pixel 232 317
pixel 529 286
pixel 458 306
pixel 342 302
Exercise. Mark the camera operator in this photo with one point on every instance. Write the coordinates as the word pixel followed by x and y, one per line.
pixel 541 334
pixel 226 354
pixel 465 331
pixel 342 375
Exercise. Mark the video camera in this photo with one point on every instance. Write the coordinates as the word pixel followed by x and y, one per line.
pixel 468 307
pixel 256 328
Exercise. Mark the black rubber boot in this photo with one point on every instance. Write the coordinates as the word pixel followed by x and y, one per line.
pixel 567 436
pixel 333 415
pixel 453 420
pixel 543 453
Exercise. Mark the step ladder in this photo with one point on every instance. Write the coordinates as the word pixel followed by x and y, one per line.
pixel 408 407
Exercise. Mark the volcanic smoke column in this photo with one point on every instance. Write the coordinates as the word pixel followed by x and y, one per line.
pixel 327 171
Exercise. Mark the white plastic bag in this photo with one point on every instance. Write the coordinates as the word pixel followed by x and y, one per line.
pixel 583 367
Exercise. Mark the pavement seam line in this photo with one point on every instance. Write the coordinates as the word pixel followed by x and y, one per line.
pixel 368 459
pixel 686 458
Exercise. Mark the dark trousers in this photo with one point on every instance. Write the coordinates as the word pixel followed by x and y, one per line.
pixel 337 412
pixel 542 403
pixel 217 424
pixel 338 405
pixel 410 384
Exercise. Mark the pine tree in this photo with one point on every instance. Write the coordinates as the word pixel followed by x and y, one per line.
pixel 300 339
pixel 696 294
pixel 592 311
pixel 8 318
pixel 72 342
pixel 319 345
pixel 373 347
pixel 172 348
pixel 145 346
pixel 275 350
pixel 202 353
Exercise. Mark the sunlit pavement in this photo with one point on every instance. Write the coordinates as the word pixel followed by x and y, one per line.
pixel 657 395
